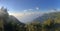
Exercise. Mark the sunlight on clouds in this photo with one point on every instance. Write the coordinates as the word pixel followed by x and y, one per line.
pixel 27 16
pixel 16 14
pixel 28 10
pixel 24 14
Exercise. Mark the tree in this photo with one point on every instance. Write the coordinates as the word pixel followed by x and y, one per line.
pixel 49 25
pixel 34 26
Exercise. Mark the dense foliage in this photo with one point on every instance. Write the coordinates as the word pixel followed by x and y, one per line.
pixel 49 25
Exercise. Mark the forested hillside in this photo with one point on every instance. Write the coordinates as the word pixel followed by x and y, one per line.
pixel 46 16
pixel 51 22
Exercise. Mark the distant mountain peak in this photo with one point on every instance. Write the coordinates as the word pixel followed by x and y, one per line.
pixel 45 16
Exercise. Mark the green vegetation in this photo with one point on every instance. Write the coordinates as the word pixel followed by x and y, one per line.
pixel 49 25
pixel 10 23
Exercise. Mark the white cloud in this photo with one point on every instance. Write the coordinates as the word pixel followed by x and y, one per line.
pixel 25 10
pixel 30 9
pixel 58 9
pixel 27 17
pixel 52 10
pixel 37 8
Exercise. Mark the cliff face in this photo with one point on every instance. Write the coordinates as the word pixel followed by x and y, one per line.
pixel 1 25
pixel 5 19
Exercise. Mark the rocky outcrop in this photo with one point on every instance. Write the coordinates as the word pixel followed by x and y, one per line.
pixel 5 18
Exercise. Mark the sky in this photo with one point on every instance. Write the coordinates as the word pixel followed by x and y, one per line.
pixel 23 8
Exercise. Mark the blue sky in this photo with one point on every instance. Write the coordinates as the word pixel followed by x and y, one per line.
pixel 20 5
pixel 29 9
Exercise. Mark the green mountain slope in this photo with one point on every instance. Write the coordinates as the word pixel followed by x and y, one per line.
pixel 53 15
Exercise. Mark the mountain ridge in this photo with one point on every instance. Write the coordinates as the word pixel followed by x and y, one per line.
pixel 45 16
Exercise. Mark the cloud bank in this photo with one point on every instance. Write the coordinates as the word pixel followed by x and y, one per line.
pixel 27 16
